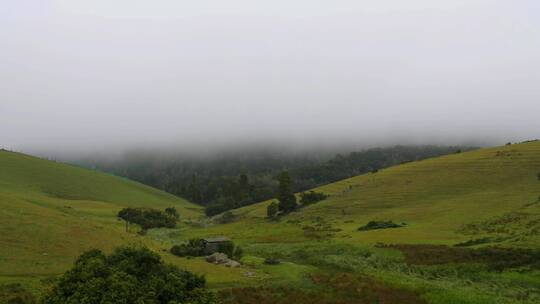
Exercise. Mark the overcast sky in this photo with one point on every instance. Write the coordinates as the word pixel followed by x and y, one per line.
pixel 105 74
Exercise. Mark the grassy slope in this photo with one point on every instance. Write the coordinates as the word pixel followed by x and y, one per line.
pixel 435 197
pixel 51 212
pixel 59 210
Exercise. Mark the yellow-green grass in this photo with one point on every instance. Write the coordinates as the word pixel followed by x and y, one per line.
pixel 51 212
pixel 434 197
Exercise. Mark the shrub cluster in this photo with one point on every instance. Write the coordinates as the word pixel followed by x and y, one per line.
pixel 193 248
pixel 128 275
pixel 231 250
pixel 149 218
pixel 311 197
pixel 372 225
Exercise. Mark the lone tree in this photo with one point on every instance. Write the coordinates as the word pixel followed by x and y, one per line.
pixel 129 215
pixel 286 198
pixel 128 275
pixel 272 210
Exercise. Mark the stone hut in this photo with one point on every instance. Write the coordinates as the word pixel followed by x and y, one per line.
pixel 212 245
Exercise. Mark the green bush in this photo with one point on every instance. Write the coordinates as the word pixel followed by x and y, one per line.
pixel 227 248
pixel 149 218
pixel 231 250
pixel 193 248
pixel 128 275
pixel 311 197
pixel 372 225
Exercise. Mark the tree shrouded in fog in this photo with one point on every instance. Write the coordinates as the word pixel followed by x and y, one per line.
pixel 286 198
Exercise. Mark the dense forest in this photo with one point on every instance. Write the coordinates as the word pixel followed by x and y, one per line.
pixel 233 180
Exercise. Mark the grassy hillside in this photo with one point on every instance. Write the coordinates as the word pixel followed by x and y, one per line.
pixel 51 212
pixel 485 199
pixel 435 197
pixel 488 196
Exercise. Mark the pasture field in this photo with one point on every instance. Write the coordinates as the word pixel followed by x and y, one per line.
pixel 487 202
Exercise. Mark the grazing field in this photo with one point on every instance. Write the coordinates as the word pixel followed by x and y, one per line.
pixel 488 198
pixel 467 230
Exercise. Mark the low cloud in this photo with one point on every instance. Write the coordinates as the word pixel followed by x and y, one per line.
pixel 117 75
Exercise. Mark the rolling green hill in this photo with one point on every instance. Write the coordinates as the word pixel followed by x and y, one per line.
pixel 487 198
pixel 436 198
pixel 51 212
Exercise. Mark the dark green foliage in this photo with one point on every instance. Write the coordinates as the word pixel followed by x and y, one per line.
pixel 227 248
pixel 221 205
pixel 148 218
pixel 231 250
pixel 193 248
pixel 128 275
pixel 15 294
pixel 272 210
pixel 238 253
pixel 372 225
pixel 538 176
pixel 129 215
pixel 226 217
pixel 171 211
pixel 311 197
pixel 286 198
pixel 234 180
pixel 271 261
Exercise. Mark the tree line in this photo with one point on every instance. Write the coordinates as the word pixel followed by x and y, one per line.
pixel 232 181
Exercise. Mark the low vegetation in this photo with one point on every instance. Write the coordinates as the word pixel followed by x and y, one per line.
pixel 196 248
pixel 373 225
pixel 15 293
pixel 334 288
pixel 128 275
pixel 495 258
pixel 311 197
pixel 193 248
pixel 148 218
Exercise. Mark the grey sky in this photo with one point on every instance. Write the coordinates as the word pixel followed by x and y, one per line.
pixel 107 74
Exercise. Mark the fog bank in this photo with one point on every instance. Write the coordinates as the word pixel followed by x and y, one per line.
pixel 113 76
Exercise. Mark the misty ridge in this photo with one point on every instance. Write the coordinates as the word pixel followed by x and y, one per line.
pixel 233 178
